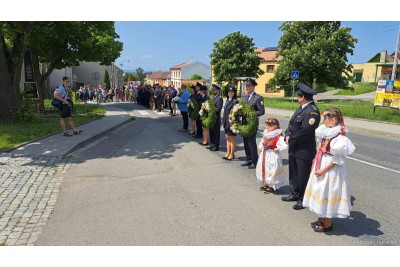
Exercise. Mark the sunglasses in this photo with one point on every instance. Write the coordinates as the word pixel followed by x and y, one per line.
pixel 328 114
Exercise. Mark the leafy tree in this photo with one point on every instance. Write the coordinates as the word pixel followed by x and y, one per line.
pixel 14 39
pixel 107 80
pixel 60 44
pixel 318 50
pixel 196 77
pixel 140 75
pixel 234 56
pixel 129 76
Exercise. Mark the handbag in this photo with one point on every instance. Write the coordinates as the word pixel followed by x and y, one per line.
pixel 56 103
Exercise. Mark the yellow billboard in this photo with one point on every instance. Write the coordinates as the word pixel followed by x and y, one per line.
pixel 388 95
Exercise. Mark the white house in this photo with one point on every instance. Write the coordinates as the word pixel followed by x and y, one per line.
pixel 186 70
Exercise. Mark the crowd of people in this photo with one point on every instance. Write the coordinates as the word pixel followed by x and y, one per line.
pixel 317 180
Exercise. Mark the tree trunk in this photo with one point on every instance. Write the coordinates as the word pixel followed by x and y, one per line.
pixel 10 69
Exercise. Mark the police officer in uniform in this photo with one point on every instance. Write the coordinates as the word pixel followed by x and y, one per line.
pixel 158 97
pixel 300 136
pixel 250 143
pixel 215 131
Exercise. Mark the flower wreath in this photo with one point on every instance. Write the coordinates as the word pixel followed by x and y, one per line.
pixel 249 119
pixel 208 114
pixel 193 109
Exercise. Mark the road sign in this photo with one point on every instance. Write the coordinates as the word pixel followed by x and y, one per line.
pixel 295 74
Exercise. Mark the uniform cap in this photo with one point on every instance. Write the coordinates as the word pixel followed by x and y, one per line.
pixel 203 88
pixel 305 90
pixel 199 84
pixel 233 89
pixel 215 87
pixel 251 82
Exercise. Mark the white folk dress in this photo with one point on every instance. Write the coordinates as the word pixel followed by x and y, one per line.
pixel 329 195
pixel 273 167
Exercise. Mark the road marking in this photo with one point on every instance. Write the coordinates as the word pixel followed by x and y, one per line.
pixel 143 112
pixel 159 113
pixel 374 165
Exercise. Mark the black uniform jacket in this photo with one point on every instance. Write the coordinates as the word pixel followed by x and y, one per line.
pixel 301 132
pixel 256 101
pixel 227 109
pixel 218 102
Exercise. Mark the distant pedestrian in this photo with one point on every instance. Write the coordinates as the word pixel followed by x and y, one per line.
pixel 183 100
pixel 328 191
pixel 61 94
pixel 300 136
pixel 269 171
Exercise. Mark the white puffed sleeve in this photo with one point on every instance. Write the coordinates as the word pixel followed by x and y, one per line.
pixel 319 133
pixel 260 145
pixel 281 145
pixel 341 147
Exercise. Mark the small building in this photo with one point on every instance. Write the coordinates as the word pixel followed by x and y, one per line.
pixel 160 77
pixel 186 70
pixel 379 67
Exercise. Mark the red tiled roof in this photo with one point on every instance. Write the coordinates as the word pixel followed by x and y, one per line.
pixel 159 75
pixel 182 65
pixel 268 54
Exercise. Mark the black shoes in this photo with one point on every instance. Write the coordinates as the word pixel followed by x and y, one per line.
pixel 246 163
pixel 290 198
pixel 210 146
pixel 299 205
pixel 252 166
pixel 214 149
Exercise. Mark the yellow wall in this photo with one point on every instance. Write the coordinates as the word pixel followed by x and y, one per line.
pixel 369 71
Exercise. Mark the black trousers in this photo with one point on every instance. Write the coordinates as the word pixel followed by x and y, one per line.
pixel 250 148
pixel 299 173
pixel 170 106
pixel 215 134
pixel 199 128
pixel 185 118
pixel 158 101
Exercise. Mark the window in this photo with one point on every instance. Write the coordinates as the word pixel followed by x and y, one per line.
pixel 270 68
pixel 268 89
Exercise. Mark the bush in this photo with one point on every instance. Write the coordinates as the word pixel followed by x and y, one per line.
pixel 27 110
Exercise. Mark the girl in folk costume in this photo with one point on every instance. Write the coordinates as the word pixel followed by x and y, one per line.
pixel 269 170
pixel 327 192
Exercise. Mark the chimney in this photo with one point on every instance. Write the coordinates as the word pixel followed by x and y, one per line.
pixel 383 57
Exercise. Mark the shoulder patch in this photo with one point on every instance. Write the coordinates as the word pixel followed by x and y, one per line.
pixel 311 121
pixel 262 102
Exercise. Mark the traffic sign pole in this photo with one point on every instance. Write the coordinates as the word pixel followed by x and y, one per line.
pixel 295 76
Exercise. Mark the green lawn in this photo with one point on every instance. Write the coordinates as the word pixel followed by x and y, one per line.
pixel 362 110
pixel 358 89
pixel 16 133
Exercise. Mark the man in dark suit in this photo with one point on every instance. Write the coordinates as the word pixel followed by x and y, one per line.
pixel 250 143
pixel 158 97
pixel 215 131
pixel 300 136
pixel 197 96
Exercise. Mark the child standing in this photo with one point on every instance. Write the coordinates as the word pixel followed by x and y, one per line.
pixel 269 170
pixel 328 192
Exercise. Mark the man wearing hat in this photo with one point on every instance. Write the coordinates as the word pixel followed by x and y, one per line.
pixel 250 143
pixel 215 131
pixel 197 96
pixel 300 136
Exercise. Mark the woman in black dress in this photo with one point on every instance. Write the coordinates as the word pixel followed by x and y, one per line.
pixel 231 101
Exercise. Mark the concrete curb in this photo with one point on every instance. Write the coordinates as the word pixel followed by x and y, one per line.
pixel 96 137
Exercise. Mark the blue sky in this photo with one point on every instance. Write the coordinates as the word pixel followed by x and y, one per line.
pixel 159 45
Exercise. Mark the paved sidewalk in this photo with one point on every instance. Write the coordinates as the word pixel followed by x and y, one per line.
pixel 31 177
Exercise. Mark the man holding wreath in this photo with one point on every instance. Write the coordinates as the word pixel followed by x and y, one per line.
pixel 250 143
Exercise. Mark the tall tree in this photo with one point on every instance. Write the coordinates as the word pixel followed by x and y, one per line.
pixel 318 49
pixel 14 39
pixel 234 56
pixel 140 75
pixel 107 80
pixel 63 44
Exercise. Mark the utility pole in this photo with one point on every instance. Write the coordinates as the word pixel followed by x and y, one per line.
pixel 395 57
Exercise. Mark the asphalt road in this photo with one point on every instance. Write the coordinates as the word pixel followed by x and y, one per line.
pixel 148 184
